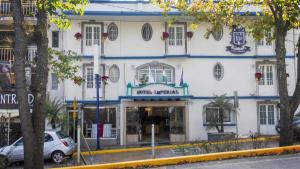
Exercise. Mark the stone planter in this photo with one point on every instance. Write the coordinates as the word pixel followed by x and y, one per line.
pixel 132 138
pixel 177 138
pixel 220 136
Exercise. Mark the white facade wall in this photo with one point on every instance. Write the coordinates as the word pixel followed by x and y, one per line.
pixel 197 70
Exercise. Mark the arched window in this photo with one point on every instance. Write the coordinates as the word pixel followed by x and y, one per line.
pixel 218 71
pixel 155 72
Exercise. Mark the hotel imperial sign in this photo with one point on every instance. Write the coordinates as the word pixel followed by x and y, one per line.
pixel 157 89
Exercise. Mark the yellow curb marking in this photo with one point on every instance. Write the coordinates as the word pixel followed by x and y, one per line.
pixel 192 158
pixel 175 146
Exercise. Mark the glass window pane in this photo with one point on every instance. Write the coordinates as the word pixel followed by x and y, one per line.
pixel 177 120
pixel 212 115
pixel 88 36
pixel 54 82
pixel 179 36
pixel 55 39
pixel 263 114
pixel 97 35
pixel 112 32
pixel 147 32
pixel 89 77
pixel 171 36
pixel 271 119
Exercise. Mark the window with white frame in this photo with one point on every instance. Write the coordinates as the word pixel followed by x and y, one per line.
pixel 155 73
pixel 267 114
pixel 92 35
pixel 213 115
pixel 267 71
pixel 90 81
pixel 176 35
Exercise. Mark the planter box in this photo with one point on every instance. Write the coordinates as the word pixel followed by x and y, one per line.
pixel 220 136
pixel 177 138
pixel 132 138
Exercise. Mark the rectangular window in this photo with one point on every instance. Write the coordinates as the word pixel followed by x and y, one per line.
pixel 107 123
pixel 171 36
pixel 213 115
pixel 176 36
pixel 55 39
pixel 158 73
pixel 54 82
pixel 89 77
pixel 267 72
pixel 269 39
pixel 267 114
pixel 88 36
pixel 262 114
pixel 271 119
pixel 92 35
pixel 179 36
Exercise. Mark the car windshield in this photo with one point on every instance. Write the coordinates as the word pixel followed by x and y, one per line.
pixel 61 135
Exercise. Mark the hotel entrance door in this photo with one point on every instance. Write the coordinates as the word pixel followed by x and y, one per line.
pixel 168 124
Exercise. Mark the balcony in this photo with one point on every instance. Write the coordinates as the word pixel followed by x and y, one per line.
pixel 6 53
pixel 29 8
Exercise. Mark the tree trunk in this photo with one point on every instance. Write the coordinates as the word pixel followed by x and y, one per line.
pixel 20 51
pixel 32 125
pixel 39 85
pixel 296 96
pixel 286 132
pixel 221 121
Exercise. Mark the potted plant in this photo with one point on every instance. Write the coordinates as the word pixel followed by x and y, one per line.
pixel 189 34
pixel 78 36
pixel 258 76
pixel 165 35
pixel 104 35
pixel 215 117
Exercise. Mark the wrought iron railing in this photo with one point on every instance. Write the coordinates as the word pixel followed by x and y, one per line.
pixel 29 8
pixel 6 53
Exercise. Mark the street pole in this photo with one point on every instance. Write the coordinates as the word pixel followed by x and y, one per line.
pixel 96 72
pixel 98 110
pixel 79 116
pixel 8 128
pixel 153 140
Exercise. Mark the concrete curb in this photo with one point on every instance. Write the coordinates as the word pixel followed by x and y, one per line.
pixel 192 158
pixel 174 146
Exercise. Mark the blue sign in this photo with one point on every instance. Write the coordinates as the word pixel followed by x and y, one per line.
pixel 238 41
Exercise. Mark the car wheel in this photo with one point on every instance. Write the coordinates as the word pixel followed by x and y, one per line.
pixel 3 162
pixel 57 157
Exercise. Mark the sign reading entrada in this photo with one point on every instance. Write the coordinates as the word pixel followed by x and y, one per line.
pixel 157 92
pixel 8 100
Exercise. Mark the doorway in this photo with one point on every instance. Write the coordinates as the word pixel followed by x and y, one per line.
pixel 267 119
pixel 168 124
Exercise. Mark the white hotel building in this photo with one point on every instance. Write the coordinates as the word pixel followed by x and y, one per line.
pixel 134 98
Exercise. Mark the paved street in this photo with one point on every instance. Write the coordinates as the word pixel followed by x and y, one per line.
pixel 268 162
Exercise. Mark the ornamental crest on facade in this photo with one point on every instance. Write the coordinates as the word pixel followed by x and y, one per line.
pixel 238 41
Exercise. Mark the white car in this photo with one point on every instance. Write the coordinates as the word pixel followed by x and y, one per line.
pixel 56 146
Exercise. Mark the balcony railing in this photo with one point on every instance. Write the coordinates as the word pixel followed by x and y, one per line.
pixel 29 8
pixel 6 53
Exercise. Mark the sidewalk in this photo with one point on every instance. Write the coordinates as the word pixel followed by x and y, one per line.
pixel 131 154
